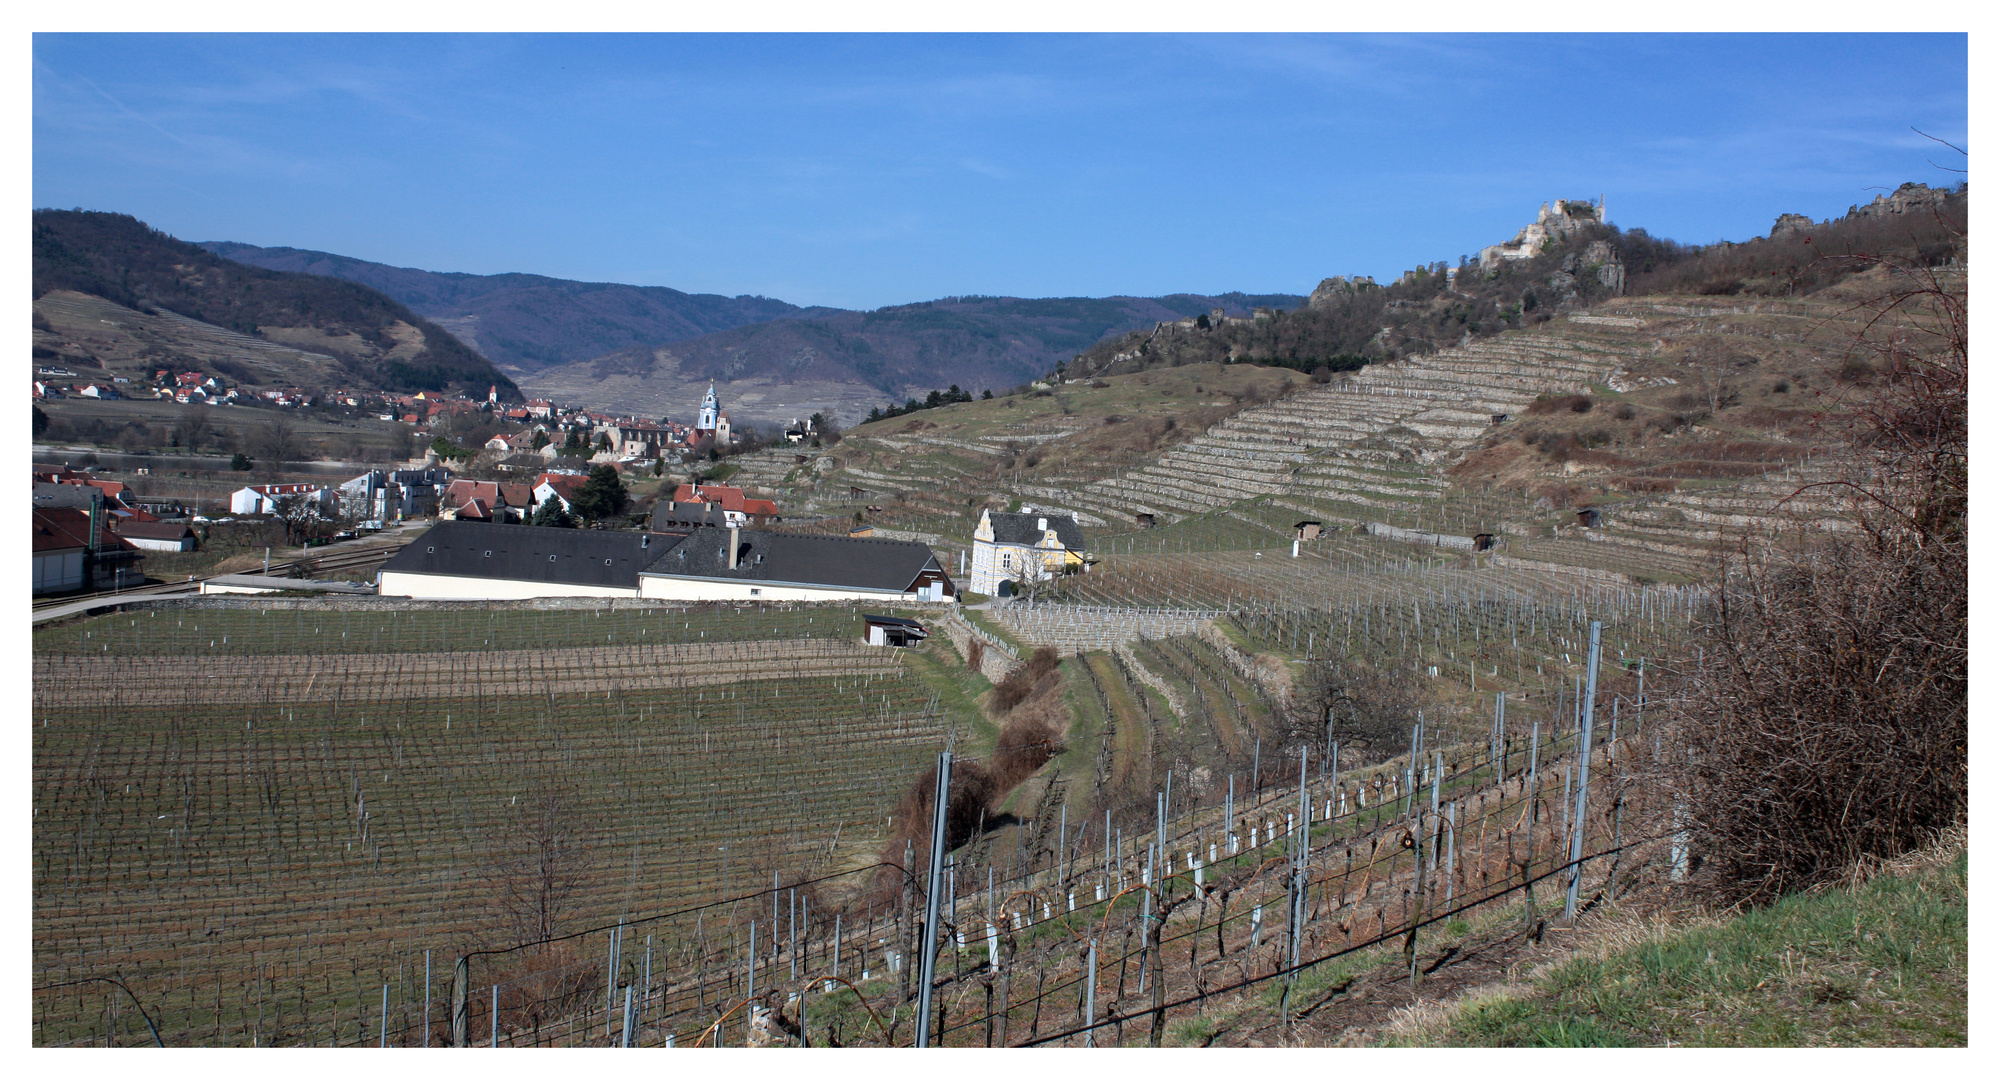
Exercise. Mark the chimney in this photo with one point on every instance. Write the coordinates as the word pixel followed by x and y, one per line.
pixel 732 546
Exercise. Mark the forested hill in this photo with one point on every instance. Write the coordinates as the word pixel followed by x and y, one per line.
pixel 527 322
pixel 378 342
pixel 980 342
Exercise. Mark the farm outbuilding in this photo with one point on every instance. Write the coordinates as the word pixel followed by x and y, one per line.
pixel 156 535
pixel 1308 530
pixel 892 631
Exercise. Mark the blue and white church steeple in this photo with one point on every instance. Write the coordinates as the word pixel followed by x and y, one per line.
pixel 705 421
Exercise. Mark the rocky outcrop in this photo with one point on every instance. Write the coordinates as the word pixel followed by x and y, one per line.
pixel 1903 200
pixel 1789 224
pixel 1337 288
pixel 1555 221
pixel 1908 198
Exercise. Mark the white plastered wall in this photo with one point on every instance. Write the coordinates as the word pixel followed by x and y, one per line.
pixel 448 587
pixel 657 587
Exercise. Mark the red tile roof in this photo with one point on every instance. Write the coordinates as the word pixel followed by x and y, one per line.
pixel 58 529
pixel 729 498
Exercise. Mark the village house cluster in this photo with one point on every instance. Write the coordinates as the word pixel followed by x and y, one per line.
pixel 112 528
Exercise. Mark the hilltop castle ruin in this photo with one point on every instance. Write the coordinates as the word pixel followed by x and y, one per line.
pixel 1557 220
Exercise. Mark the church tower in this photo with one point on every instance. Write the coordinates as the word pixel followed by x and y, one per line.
pixel 705 421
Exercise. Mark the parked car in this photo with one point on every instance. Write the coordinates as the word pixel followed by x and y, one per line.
pixel 339 536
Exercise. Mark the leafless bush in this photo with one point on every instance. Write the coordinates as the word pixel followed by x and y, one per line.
pixel 1030 739
pixel 1370 709
pixel 1549 404
pixel 542 985
pixel 1826 719
pixel 1022 681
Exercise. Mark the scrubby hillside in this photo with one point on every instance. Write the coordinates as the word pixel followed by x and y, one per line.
pixel 1581 261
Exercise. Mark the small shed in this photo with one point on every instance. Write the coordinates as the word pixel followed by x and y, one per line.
pixel 861 530
pixel 1308 530
pixel 892 631
pixel 1499 418
pixel 855 492
pixel 1482 541
pixel 1144 521
pixel 1589 518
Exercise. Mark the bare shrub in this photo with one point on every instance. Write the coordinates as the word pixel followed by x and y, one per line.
pixel 1549 404
pixel 1825 721
pixel 540 985
pixel 1030 739
pixel 1370 709
pixel 1022 680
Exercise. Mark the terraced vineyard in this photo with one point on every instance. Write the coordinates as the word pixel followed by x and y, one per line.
pixel 1710 412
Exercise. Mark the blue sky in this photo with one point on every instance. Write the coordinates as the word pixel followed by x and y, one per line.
pixel 870 170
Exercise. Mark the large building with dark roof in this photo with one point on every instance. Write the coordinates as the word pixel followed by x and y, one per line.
pixel 475 560
pixel 467 560
pixel 794 566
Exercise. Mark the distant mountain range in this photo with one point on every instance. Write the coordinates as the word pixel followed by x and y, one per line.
pixel 527 322
pixel 651 350
pixel 297 326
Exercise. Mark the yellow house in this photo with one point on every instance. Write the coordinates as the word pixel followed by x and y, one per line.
pixel 1015 549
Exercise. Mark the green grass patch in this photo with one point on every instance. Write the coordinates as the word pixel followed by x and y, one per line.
pixel 1880 964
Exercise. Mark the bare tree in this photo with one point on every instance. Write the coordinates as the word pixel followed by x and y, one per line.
pixel 547 863
pixel 299 513
pixel 193 429
pixel 276 443
pixel 135 437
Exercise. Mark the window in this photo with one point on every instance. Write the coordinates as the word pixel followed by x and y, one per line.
pixel 756 592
